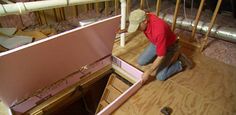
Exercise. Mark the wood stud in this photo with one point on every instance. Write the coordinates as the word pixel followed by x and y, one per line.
pixel 128 7
pixel 175 15
pixel 55 14
pixel 158 7
pixel 38 17
pixel 21 20
pixel 86 8
pixel 97 8
pixel 76 11
pixel 197 19
pixel 106 8
pixel 116 6
pixel 142 4
pixel 211 24
pixel 44 17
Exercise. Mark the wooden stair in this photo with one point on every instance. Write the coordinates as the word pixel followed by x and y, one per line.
pixel 116 85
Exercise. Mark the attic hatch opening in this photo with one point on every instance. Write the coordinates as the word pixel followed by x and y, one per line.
pixel 83 102
pixel 89 99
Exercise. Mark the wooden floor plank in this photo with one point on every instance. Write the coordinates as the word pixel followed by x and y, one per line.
pixel 213 80
pixel 208 89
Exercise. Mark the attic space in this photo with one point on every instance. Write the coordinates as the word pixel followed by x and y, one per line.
pixel 206 35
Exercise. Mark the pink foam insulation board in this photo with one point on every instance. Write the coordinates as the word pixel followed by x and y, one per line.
pixel 26 69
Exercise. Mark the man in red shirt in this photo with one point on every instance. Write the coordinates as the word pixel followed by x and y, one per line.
pixel 161 49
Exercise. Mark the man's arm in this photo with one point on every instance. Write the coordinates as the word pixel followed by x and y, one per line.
pixel 161 50
pixel 152 71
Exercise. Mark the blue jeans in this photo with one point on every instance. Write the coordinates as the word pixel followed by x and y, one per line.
pixel 163 72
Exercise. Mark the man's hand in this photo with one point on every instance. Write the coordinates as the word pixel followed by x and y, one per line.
pixel 145 76
pixel 151 72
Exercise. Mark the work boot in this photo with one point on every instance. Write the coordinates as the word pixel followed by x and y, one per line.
pixel 185 61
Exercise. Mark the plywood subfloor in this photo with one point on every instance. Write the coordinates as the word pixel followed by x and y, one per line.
pixel 208 89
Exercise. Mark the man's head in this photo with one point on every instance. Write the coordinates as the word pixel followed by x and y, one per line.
pixel 137 21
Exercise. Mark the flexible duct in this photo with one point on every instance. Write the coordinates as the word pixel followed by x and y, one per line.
pixel 221 32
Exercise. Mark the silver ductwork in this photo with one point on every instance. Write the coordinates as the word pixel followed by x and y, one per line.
pixel 221 32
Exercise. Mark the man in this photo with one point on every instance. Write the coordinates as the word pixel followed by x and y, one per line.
pixel 161 49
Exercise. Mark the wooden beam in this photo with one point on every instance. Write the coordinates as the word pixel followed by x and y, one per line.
pixel 38 17
pixel 116 6
pixel 76 10
pixel 175 15
pixel 86 8
pixel 197 19
pixel 55 14
pixel 44 16
pixel 97 8
pixel 142 4
pixel 158 7
pixel 58 14
pixel 63 13
pixel 106 8
pixel 21 20
pixel 211 24
pixel 90 6
pixel 128 7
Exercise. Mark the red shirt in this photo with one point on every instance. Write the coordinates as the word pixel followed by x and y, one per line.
pixel 159 33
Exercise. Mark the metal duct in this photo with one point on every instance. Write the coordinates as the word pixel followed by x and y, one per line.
pixel 221 32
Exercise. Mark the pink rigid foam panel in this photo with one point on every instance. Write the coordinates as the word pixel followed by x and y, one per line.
pixel 59 86
pixel 26 69
pixel 134 72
